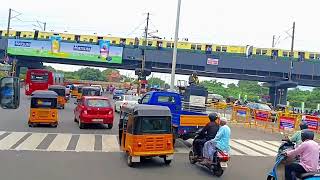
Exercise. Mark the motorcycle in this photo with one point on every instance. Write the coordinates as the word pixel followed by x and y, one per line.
pixel 216 166
pixel 277 171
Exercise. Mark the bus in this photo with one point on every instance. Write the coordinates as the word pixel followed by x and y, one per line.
pixel 38 79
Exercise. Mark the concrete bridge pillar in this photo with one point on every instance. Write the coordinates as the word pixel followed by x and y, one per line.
pixel 278 91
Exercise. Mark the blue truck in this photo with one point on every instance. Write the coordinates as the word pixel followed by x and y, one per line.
pixel 185 123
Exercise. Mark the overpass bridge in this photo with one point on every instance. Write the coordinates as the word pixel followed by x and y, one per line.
pixel 214 64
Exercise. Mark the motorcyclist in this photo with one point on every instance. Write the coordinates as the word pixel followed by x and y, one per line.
pixel 296 137
pixel 193 78
pixel 221 141
pixel 309 156
pixel 207 133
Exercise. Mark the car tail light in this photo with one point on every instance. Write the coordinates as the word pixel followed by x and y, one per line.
pixel 85 112
pixel 33 114
pixel 110 113
pixel 169 143
pixel 224 157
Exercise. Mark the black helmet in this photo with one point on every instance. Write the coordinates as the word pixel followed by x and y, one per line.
pixel 303 125
pixel 213 117
pixel 194 73
pixel 307 134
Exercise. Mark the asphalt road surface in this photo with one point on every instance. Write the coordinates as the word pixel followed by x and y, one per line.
pixel 67 152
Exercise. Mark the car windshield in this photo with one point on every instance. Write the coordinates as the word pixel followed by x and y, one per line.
pixel 101 103
pixel 131 98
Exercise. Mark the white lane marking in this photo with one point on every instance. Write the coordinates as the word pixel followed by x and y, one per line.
pixel 244 149
pixel 60 142
pixel 11 140
pixel 110 143
pixel 85 142
pixel 262 143
pixel 256 147
pixel 234 152
pixel 31 142
pixel 276 143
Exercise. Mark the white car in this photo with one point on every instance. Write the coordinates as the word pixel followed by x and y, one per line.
pixel 125 100
pixel 99 86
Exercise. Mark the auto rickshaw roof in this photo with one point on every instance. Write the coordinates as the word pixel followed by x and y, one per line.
pixel 147 110
pixel 57 87
pixel 44 94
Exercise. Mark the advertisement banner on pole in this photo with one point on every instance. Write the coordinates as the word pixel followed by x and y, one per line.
pixel 287 123
pixel 55 48
pixel 312 122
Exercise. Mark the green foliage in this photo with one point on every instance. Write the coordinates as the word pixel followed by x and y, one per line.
pixel 154 81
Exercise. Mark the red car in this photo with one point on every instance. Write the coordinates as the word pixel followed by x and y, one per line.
pixel 93 109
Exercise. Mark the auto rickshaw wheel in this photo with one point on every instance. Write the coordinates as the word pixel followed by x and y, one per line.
pixel 54 125
pixel 167 162
pixel 129 161
pixel 75 119
pixel 31 124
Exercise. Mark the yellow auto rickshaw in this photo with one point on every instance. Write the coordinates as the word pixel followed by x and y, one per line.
pixel 74 91
pixel 61 91
pixel 145 131
pixel 44 108
pixel 79 92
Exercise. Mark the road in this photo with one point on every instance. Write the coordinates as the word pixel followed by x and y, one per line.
pixel 66 152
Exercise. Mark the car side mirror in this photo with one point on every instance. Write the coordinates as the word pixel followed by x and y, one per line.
pixel 139 101
pixel 9 93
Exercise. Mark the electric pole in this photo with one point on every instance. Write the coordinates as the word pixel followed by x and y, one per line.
pixel 9 21
pixel 44 26
pixel 273 41
pixel 146 43
pixel 291 52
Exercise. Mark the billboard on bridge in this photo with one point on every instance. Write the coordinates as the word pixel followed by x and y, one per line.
pixel 65 50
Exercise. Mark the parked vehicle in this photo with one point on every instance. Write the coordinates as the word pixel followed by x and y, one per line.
pixel 125 100
pixel 93 110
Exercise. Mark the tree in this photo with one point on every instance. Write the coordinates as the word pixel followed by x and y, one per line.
pixel 90 74
pixel 154 81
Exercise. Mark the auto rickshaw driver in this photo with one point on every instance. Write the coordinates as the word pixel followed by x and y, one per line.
pixel 145 131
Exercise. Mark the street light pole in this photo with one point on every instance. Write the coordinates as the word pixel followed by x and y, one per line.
pixel 9 21
pixel 174 58
pixel 291 52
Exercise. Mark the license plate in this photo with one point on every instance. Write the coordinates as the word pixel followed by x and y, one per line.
pixel 169 157
pixel 223 164
pixel 97 120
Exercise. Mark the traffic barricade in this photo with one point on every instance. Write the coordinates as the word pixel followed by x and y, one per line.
pixel 288 123
pixel 241 115
pixel 312 122
pixel 262 119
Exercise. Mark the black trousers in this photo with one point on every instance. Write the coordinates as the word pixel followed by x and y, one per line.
pixel 292 170
pixel 198 146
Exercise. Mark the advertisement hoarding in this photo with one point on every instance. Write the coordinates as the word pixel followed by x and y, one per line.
pixel 55 48
pixel 287 123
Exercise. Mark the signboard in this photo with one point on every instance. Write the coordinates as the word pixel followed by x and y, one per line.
pixel 287 123
pixel 213 61
pixel 65 50
pixel 241 111
pixel 261 115
pixel 199 101
pixel 312 122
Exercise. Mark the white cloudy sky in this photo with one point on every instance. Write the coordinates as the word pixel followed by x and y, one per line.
pixel 222 22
